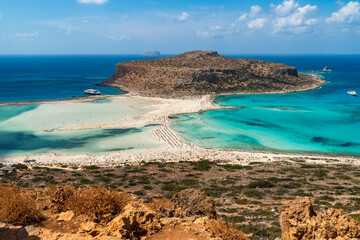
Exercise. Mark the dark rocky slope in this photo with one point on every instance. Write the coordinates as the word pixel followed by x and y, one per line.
pixel 199 72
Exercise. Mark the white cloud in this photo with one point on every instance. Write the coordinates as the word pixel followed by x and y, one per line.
pixel 183 16
pixel 118 38
pixel 257 23
pixel 296 21
pixel 27 35
pixel 255 10
pixel 203 34
pixel 85 21
pixel 0 16
pixel 214 31
pixel 215 28
pixel 92 1
pixel 243 17
pixel 350 13
pixel 285 8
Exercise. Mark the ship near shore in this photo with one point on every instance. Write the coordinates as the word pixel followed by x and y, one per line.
pixel 207 72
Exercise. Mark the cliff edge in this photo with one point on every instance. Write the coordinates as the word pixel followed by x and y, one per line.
pixel 207 72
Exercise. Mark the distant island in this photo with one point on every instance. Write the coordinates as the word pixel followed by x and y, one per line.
pixel 207 72
pixel 152 54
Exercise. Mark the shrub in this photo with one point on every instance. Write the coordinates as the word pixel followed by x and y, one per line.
pixel 254 194
pixel 20 166
pixel 320 173
pixel 203 165
pixel 243 201
pixel 224 231
pixel 18 207
pixel 189 182
pixel 99 204
pixel 91 167
pixel 58 197
pixel 260 184
pixel 139 193
pixel 215 191
pixel 85 181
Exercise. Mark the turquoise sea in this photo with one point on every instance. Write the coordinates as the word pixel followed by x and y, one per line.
pixel 325 120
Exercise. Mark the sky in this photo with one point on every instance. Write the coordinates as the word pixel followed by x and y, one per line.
pixel 171 27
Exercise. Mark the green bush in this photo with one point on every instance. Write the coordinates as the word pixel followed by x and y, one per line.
pixel 19 166
pixel 203 165
pixel 189 182
pixel 260 184
pixel 139 193
pixel 91 167
pixel 254 194
pixel 85 181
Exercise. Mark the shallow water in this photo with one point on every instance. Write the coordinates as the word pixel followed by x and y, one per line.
pixel 326 120
pixel 23 128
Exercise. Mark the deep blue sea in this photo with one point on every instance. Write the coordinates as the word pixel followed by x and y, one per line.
pixel 24 78
pixel 325 120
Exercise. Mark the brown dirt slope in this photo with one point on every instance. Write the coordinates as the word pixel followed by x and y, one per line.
pixel 206 72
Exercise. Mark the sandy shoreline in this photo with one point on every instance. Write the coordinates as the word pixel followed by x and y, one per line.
pixel 174 148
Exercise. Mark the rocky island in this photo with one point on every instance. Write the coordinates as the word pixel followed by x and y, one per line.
pixel 207 72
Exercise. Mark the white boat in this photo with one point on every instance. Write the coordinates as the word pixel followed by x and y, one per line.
pixel 352 93
pixel 326 69
pixel 92 91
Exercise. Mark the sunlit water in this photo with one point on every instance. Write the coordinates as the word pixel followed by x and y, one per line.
pixel 326 120
pixel 31 129
pixel 320 121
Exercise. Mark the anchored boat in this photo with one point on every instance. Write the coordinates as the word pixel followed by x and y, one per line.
pixel 92 91
pixel 352 93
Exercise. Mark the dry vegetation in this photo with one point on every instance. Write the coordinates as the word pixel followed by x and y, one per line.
pixel 226 231
pixel 249 196
pixel 17 207
pixel 99 204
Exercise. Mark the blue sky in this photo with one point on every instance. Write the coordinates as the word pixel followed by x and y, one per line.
pixel 138 26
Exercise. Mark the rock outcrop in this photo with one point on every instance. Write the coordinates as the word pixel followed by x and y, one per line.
pixel 195 203
pixel 300 221
pixel 135 222
pixel 206 72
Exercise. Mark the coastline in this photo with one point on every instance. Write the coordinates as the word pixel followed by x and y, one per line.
pixel 174 148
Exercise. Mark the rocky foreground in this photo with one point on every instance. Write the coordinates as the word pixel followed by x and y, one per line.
pixel 66 213
pixel 207 72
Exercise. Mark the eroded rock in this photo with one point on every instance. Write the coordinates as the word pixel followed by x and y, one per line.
pixel 300 221
pixel 66 216
pixel 135 222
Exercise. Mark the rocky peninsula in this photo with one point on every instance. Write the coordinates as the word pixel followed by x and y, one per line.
pixel 207 72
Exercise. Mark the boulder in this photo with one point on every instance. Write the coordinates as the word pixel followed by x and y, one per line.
pixel 136 221
pixel 299 221
pixel 66 216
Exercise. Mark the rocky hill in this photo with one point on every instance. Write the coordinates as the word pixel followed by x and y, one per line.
pixel 207 72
